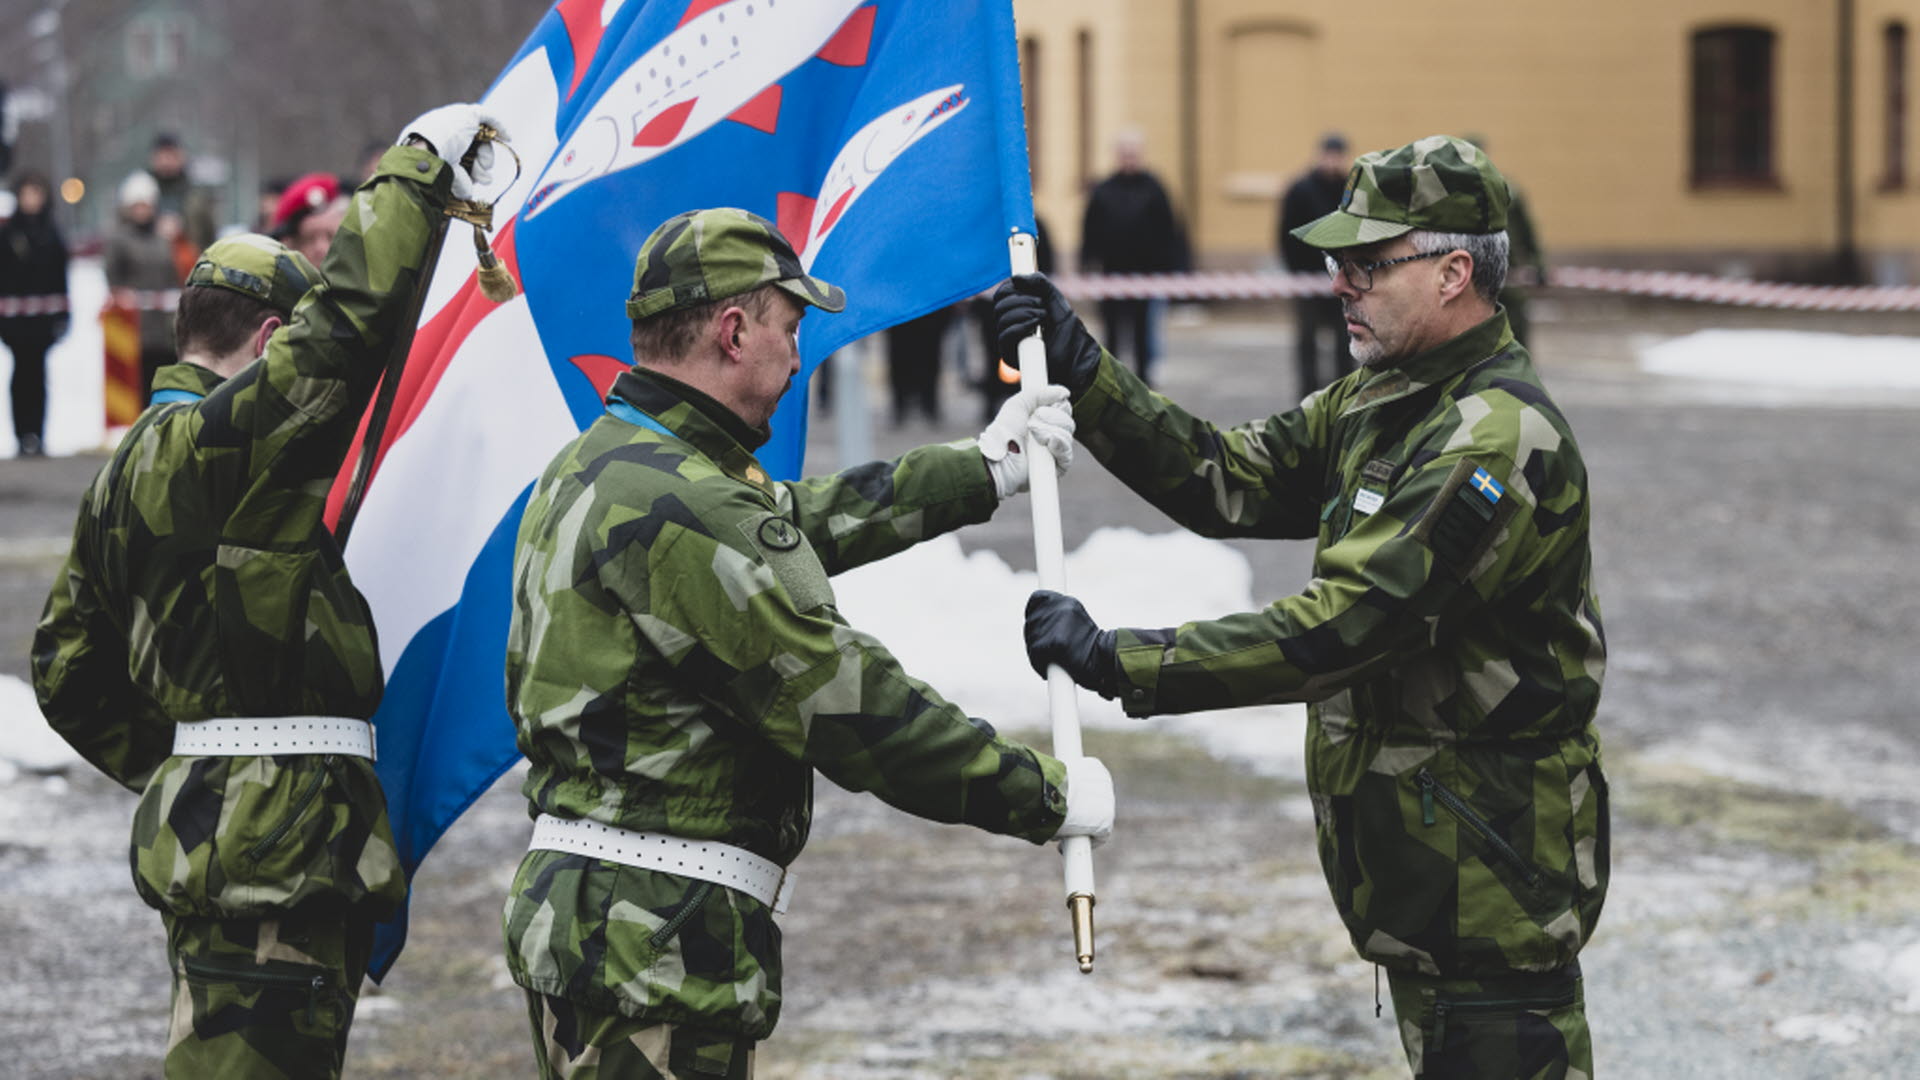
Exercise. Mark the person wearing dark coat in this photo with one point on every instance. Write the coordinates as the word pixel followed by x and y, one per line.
pixel 33 263
pixel 1130 228
pixel 1311 196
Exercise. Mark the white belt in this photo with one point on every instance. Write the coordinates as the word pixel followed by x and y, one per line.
pixel 708 860
pixel 235 736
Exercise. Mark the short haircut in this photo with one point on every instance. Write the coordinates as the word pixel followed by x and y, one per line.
pixel 216 320
pixel 1489 251
pixel 668 337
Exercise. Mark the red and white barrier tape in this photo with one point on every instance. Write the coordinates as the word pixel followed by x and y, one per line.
pixel 1269 285
pixel 142 300
pixel 1702 288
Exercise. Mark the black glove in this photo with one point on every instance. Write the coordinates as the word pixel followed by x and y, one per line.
pixel 1059 631
pixel 1030 300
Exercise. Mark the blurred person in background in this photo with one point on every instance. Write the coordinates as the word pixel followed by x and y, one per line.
pixel 1130 228
pixel 308 213
pixel 1526 262
pixel 33 262
pixel 368 160
pixel 1449 645
pixel 204 646
pixel 184 210
pixel 915 354
pixel 268 202
pixel 140 268
pixel 1312 194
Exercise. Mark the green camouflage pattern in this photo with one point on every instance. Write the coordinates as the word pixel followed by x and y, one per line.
pixel 256 266
pixel 1439 183
pixel 706 255
pixel 203 583
pixel 1520 1027
pixel 269 999
pixel 575 1043
pixel 676 664
pixel 1449 641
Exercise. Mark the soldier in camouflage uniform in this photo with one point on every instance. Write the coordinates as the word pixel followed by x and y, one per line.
pixel 204 646
pixel 677 670
pixel 1449 644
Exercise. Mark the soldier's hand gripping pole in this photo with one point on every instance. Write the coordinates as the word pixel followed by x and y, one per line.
pixel 1049 548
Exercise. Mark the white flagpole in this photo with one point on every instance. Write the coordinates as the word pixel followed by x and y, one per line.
pixel 1050 559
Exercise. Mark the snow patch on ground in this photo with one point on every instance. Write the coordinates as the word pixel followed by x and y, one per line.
pixel 954 621
pixel 1824 1028
pixel 26 742
pixel 1790 367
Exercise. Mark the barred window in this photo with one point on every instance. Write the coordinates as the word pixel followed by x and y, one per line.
pixel 1733 106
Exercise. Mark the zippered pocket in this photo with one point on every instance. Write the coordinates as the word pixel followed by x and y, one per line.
pixel 259 848
pixel 1432 791
pixel 277 977
pixel 1444 1009
pixel 696 896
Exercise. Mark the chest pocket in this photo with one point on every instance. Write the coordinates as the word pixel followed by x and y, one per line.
pixel 787 552
pixel 1349 508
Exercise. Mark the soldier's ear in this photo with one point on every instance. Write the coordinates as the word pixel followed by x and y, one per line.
pixel 728 327
pixel 264 333
pixel 1456 274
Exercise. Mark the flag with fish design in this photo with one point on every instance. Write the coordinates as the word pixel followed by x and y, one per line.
pixel 886 139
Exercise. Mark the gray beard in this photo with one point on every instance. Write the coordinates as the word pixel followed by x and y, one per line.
pixel 1369 354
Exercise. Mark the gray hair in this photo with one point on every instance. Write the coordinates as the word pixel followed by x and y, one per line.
pixel 1489 251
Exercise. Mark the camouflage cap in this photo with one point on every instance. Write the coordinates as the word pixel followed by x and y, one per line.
pixel 1439 183
pixel 706 255
pixel 256 266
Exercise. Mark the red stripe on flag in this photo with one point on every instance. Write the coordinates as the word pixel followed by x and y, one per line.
pixel 850 44
pixel 434 346
pixel 794 214
pixel 839 207
pixel 601 371
pixel 582 19
pixel 662 129
pixel 696 9
pixel 763 112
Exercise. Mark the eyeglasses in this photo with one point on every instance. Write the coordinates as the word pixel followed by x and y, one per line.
pixel 1360 274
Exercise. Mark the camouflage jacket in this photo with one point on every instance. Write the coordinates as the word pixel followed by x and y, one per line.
pixel 1449 641
pixel 203 583
pixel 676 664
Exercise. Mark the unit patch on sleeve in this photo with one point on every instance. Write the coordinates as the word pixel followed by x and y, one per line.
pixel 1466 517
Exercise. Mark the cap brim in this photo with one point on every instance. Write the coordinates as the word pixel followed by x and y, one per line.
pixel 1343 230
pixel 812 290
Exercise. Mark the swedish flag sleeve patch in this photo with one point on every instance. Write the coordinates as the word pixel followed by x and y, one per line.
pixel 1465 518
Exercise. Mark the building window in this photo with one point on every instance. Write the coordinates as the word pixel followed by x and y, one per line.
pixel 1894 42
pixel 1733 107
pixel 155 48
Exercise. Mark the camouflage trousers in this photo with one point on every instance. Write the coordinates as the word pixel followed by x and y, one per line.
pixel 267 999
pixel 574 1042
pixel 1524 1026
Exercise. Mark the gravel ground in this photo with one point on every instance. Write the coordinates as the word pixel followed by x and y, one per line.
pixel 1765 916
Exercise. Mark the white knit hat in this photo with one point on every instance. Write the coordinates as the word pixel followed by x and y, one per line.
pixel 139 188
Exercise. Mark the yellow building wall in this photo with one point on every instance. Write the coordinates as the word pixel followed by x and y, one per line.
pixel 1587 107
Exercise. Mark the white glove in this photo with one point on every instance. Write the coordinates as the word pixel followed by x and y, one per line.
pixel 450 130
pixel 1089 800
pixel 1004 443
